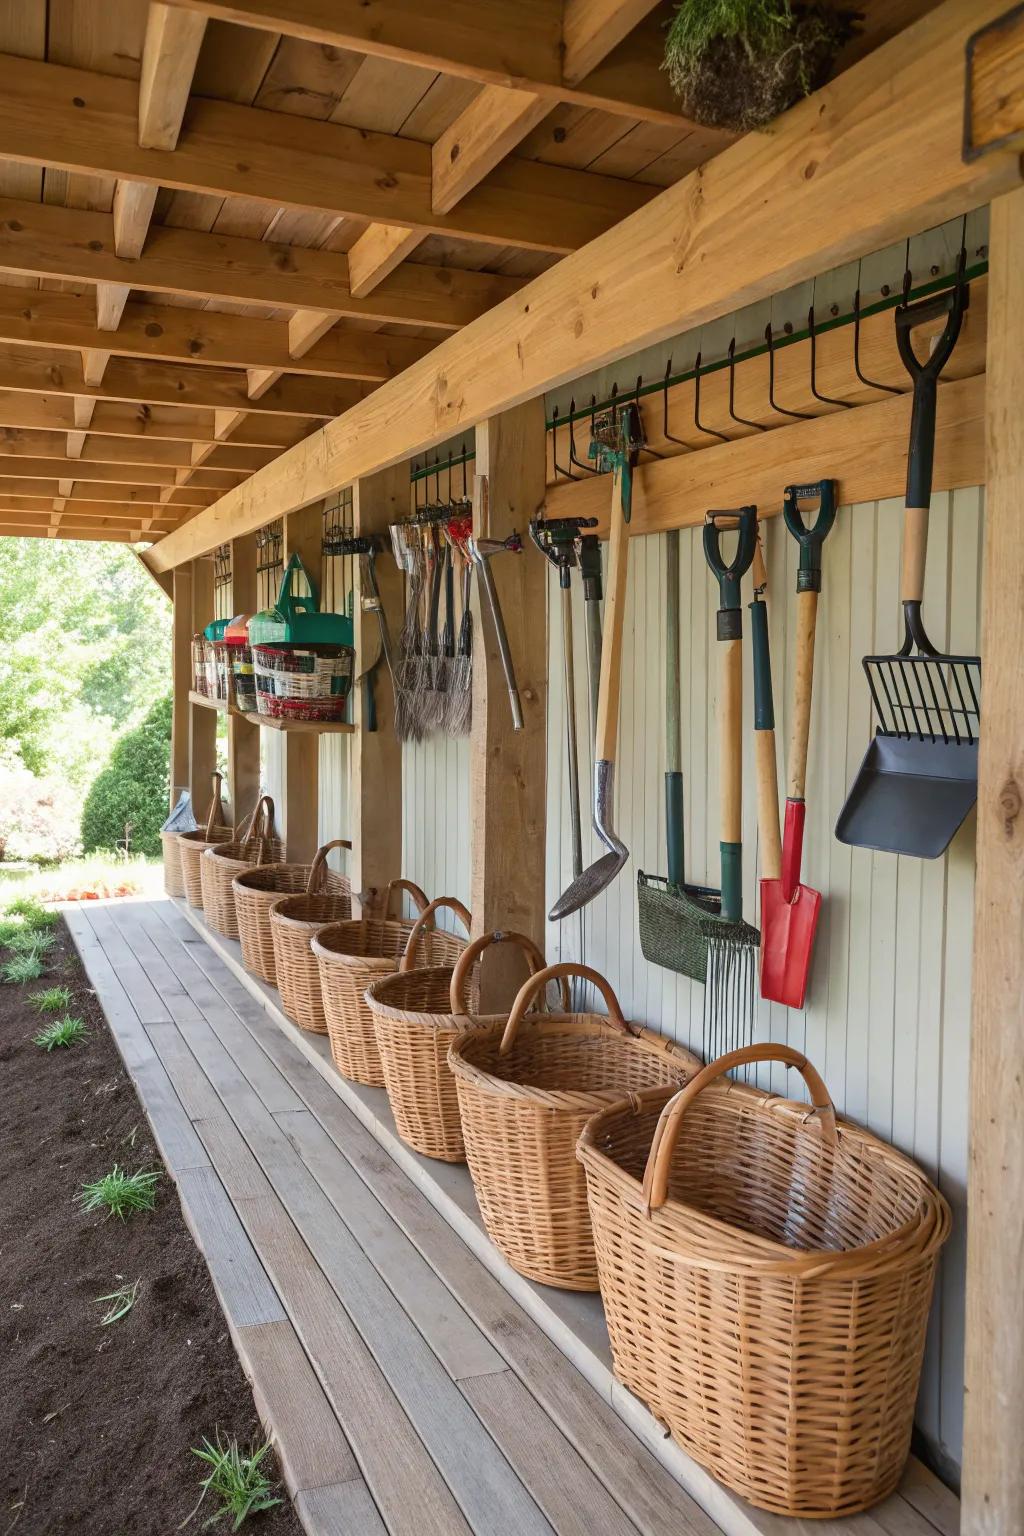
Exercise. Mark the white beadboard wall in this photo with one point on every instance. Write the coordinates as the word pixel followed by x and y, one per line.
pixel 436 834
pixel 888 1012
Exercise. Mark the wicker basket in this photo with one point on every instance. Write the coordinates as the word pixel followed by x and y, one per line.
pixel 294 920
pixel 350 956
pixel 417 1014
pixel 192 846
pixel 223 861
pixel 174 884
pixel 767 1277
pixel 525 1093
pixel 257 889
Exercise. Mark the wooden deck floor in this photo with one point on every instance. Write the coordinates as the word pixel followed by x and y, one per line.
pixel 408 1393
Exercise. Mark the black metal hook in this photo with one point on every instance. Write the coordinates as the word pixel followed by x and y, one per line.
pixel 890 389
pixel 574 457
pixel 815 391
pixel 554 448
pixel 653 452
pixel 709 431
pixel 780 410
pixel 740 421
pixel 666 434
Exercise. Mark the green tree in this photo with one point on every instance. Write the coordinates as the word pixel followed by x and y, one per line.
pixel 128 799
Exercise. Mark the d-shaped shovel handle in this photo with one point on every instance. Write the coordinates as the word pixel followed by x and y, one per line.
pixel 810 539
pixel 730 575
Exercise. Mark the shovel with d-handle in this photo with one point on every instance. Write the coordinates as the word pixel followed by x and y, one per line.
pixel 616 444
pixel 919 777
pixel 789 909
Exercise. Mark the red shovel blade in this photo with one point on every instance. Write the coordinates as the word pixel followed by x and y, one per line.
pixel 789 919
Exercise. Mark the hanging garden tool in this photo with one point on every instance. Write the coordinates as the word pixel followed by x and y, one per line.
pixel 731 943
pixel 765 766
pixel 668 935
pixel 615 446
pixel 482 552
pixel 590 570
pixel 556 538
pixel 458 531
pixel 366 548
pixel 919 777
pixel 789 909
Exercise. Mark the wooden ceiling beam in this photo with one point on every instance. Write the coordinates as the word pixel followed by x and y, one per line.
pixel 100 449
pixel 44 468
pixel 9 513
pixel 870 159
pixel 97 535
pixel 79 245
pixel 97 511
pixel 146 423
pixel 206 338
pixel 54 372
pixel 515 43
pixel 79 121
pixel 105 491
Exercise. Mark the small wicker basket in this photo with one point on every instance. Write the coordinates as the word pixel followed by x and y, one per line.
pixel 192 846
pixel 767 1277
pixel 223 861
pixel 294 921
pixel 257 889
pixel 526 1089
pixel 174 883
pixel 417 1015
pixel 350 956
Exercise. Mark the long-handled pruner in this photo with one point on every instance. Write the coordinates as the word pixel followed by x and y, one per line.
pixel 789 909
pixel 615 446
pixel 481 552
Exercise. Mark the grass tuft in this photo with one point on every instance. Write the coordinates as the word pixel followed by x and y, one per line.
pixel 32 913
pixel 121 1302
pixel 22 968
pixel 120 1193
pixel 30 941
pixel 66 1031
pixel 51 999
pixel 237 1479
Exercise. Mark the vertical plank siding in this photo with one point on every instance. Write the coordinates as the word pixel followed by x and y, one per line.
pixel 888 1009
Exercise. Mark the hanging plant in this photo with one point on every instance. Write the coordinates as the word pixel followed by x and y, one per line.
pixel 739 63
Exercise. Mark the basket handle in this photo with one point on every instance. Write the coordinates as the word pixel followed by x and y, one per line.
pixel 426 918
pixel 420 899
pixel 318 868
pixel 555 973
pixel 216 806
pixel 465 962
pixel 666 1134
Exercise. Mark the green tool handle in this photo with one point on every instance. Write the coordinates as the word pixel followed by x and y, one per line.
pixel 673 715
pixel 730 769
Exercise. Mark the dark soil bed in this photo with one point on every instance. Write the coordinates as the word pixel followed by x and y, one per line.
pixel 96 1424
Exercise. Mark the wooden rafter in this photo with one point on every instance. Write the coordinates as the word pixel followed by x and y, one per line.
pixel 133 494
pixel 294 162
pixel 144 423
pixel 679 263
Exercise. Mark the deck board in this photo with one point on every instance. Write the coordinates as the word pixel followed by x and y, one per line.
pixel 408 1391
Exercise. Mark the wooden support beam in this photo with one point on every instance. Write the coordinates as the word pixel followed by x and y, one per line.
pixel 127 515
pixel 56 529
pixel 153 383
pixel 98 449
pixel 865 449
pixel 181 680
pixel 376 254
pixel 591 29
pixel 375 782
pixel 507 784
pixel 169 54
pixel 993 1469
pixel 231 150
pixel 202 736
pixel 111 299
pixel 143 423
pixel 299 814
pixel 480 138
pixel 106 491
pixel 243 732
pixel 94 365
pixel 499 42
pixel 47 241
pixel 134 202
pixel 677 264
pixel 133 474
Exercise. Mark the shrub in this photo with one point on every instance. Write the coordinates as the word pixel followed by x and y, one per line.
pixel 129 797
pixel 38 815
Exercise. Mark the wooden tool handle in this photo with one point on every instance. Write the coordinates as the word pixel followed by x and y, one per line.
pixel 806 619
pixel 614 623
pixel 730 723
pixel 768 804
pixel 915 547
pixel 216 815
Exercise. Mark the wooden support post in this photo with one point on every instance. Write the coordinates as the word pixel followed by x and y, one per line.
pixel 202 734
pixel 375 787
pixel 300 814
pixel 993 1469
pixel 243 733
pixel 181 680
pixel 507 785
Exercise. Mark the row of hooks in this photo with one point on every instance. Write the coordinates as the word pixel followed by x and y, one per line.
pixel 577 468
pixel 439 507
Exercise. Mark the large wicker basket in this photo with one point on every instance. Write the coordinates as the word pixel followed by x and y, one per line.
pixel 526 1089
pixel 417 1014
pixel 351 955
pixel 192 846
pixel 174 884
pixel 223 861
pixel 294 922
pixel 255 892
pixel 767 1277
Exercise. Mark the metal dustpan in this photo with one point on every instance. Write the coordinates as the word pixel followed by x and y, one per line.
pixel 919 777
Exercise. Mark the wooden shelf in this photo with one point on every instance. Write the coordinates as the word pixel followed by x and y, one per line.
pixel 308 727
